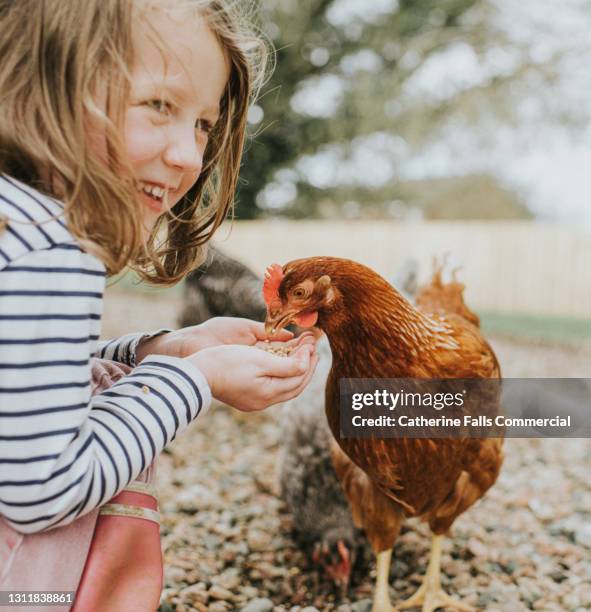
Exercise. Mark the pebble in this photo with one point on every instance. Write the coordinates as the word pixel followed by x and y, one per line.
pixel 195 593
pixel 363 605
pixel 259 604
pixel 218 592
pixel 583 535
pixel 258 540
pixel 196 498
pixel 477 548
pixel 228 546
pixel 229 580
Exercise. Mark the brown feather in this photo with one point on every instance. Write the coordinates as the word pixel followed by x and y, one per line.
pixel 374 332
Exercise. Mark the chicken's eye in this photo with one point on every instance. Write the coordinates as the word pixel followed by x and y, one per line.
pixel 299 293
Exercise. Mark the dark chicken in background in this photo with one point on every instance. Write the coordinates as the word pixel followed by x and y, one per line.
pixel 221 287
pixel 374 332
pixel 321 516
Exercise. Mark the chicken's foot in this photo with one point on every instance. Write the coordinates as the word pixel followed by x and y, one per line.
pixel 430 595
pixel 381 598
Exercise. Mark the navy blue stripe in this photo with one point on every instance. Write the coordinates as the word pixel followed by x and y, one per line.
pixel 66 247
pixel 35 520
pixel 42 293
pixel 102 495
pixel 170 407
pixel 30 195
pixel 103 479
pixel 139 421
pixel 80 507
pixel 19 238
pixel 51 317
pixel 131 430
pixel 45 499
pixel 4 255
pixel 25 413
pixel 103 350
pixel 141 403
pixel 30 459
pixel 23 483
pixel 54 270
pixel 162 397
pixel 51 340
pixel 75 510
pixel 73 385
pixel 43 364
pixel 64 517
pixel 116 353
pixel 28 216
pixel 180 372
pixel 43 434
pixel 59 520
pixel 127 457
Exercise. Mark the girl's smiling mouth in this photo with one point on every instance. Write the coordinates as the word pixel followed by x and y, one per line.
pixel 154 195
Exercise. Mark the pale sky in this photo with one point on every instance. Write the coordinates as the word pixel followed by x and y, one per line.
pixel 549 164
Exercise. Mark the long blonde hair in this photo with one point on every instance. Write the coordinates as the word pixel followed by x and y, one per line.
pixel 54 54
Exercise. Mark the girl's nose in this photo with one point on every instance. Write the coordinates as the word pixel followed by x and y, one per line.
pixel 185 151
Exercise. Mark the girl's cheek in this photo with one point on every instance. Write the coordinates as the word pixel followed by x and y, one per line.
pixel 143 139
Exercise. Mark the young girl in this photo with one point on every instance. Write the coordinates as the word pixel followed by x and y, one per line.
pixel 111 113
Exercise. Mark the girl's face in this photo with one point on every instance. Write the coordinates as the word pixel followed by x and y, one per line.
pixel 177 80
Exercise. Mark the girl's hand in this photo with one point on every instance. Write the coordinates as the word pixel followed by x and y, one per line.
pixel 250 379
pixel 215 332
pixel 232 330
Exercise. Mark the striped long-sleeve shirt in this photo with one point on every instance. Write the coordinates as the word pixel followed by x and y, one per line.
pixel 63 452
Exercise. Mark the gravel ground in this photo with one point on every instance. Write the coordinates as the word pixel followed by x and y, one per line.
pixel 226 535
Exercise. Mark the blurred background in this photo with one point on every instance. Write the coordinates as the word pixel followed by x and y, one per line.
pixel 397 130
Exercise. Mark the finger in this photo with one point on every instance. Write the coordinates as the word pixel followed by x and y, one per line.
pixel 305 346
pixel 307 376
pixel 305 338
pixel 292 344
pixel 258 329
pixel 289 388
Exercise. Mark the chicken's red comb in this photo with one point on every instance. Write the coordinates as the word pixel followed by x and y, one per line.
pixel 273 278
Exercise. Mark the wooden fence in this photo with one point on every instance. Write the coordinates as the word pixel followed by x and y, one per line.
pixel 510 266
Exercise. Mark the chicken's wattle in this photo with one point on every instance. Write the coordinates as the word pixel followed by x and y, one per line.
pixel 306 319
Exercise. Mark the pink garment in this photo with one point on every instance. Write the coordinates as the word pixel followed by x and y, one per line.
pixel 54 560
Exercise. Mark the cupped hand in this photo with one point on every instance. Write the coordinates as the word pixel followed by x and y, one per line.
pixel 234 330
pixel 214 332
pixel 250 379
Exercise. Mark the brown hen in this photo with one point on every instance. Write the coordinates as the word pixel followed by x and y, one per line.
pixel 376 333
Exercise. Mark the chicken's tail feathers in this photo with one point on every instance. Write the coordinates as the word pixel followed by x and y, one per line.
pixel 437 295
pixel 440 264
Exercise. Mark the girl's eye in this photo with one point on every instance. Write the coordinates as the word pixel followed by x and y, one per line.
pixel 160 106
pixel 203 125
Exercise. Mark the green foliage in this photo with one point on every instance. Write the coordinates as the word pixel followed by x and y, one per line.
pixel 552 330
pixel 314 41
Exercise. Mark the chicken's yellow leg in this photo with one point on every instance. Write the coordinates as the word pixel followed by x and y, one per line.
pixel 381 598
pixel 430 595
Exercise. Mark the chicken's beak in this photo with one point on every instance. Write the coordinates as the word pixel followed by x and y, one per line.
pixel 269 327
pixel 277 320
